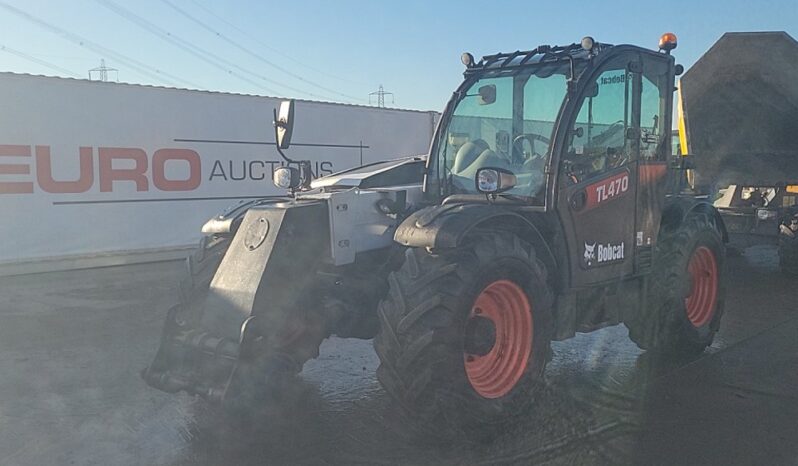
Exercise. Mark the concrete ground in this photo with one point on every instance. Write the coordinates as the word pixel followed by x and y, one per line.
pixel 72 345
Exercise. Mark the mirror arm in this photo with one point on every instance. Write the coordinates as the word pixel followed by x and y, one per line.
pixel 571 79
pixel 304 165
pixel 277 125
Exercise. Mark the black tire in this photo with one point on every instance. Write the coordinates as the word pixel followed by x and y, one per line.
pixel 422 339
pixel 663 324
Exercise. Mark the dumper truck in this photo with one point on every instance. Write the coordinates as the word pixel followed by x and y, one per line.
pixel 739 121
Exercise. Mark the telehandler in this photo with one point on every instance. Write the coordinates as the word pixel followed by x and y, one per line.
pixel 550 203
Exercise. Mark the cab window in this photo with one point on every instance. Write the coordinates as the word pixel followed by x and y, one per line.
pixel 653 127
pixel 597 140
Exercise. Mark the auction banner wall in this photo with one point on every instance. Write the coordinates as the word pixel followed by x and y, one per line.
pixel 93 169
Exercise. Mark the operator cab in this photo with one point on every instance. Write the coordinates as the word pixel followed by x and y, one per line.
pixel 581 131
pixel 503 116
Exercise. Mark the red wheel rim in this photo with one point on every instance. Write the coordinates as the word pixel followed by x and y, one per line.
pixel 703 270
pixel 505 304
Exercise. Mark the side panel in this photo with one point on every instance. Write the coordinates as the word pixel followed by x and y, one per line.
pixel 651 189
pixel 356 223
pixel 599 224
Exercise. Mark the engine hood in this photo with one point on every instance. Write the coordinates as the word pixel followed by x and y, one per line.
pixel 398 172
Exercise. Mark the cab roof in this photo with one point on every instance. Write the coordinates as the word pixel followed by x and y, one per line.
pixel 540 54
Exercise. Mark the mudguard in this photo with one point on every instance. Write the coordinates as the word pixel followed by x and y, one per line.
pixel 678 207
pixel 445 226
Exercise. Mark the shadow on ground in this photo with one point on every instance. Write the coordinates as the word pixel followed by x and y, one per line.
pixel 72 344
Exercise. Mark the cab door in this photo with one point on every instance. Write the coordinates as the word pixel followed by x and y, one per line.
pixel 598 174
pixel 656 99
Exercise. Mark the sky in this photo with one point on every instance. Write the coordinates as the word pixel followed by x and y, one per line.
pixel 342 50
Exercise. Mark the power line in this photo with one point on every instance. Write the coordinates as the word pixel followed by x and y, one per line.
pixel 39 61
pixel 102 71
pixel 269 47
pixel 166 36
pixel 251 53
pixel 62 57
pixel 140 67
pixel 380 95
pixel 208 57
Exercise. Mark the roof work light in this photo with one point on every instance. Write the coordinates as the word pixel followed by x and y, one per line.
pixel 467 59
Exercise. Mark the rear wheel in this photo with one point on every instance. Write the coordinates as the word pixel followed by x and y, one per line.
pixel 465 334
pixel 685 299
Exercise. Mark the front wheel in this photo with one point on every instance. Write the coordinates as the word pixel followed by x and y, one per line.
pixel 465 334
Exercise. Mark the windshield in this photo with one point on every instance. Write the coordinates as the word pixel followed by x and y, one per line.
pixel 503 121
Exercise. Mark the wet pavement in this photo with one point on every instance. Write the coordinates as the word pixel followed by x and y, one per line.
pixel 72 344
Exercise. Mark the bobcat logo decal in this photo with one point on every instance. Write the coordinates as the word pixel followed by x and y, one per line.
pixel 590 253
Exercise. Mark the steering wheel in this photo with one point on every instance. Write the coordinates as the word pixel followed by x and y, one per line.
pixel 530 138
pixel 575 169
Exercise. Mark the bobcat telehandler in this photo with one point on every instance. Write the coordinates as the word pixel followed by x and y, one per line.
pixel 549 204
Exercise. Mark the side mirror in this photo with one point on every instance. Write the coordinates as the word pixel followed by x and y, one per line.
pixel 284 123
pixel 494 180
pixel 487 94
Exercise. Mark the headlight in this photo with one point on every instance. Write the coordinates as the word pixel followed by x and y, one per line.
pixel 494 180
pixel 488 181
pixel 286 178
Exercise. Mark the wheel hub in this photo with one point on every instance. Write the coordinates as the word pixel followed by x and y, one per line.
pixel 480 336
pixel 498 339
pixel 701 302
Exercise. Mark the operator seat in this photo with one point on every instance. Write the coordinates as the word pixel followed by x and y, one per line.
pixel 472 161
pixel 468 153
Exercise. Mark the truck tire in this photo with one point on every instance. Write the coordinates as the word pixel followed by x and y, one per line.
pixel 686 290
pixel 441 356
